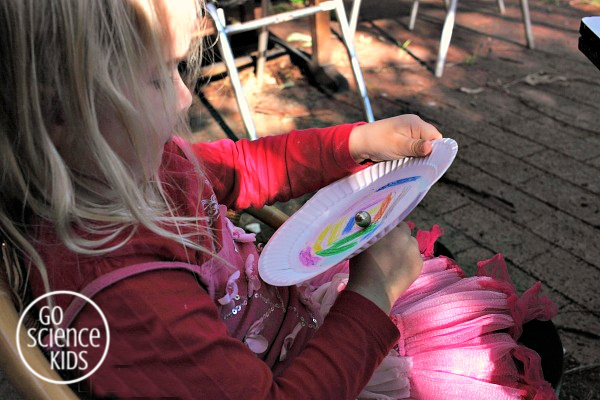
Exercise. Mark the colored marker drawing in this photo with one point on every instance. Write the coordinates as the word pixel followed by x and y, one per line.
pixel 343 234
pixel 307 258
pixel 399 182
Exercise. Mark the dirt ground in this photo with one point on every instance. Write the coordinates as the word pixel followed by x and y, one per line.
pixel 526 180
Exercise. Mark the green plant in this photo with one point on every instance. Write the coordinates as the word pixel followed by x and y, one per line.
pixel 595 3
pixel 553 2
pixel 471 59
pixel 281 7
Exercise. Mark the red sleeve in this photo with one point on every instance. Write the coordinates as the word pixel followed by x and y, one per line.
pixel 276 168
pixel 173 343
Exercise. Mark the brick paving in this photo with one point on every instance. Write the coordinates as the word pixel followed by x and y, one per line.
pixel 526 179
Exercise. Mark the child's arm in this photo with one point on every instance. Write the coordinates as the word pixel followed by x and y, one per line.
pixel 182 349
pixel 279 168
pixel 276 168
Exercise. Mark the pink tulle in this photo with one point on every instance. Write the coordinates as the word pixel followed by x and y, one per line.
pixel 435 385
pixel 458 335
pixel 495 268
pixel 533 373
pixel 427 239
pixel 531 306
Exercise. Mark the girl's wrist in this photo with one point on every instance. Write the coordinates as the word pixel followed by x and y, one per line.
pixel 378 297
pixel 357 144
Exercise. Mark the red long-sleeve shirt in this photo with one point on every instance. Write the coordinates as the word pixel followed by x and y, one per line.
pixel 167 336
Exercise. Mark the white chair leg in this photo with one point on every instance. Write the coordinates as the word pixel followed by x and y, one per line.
pixel 445 39
pixel 527 23
pixel 263 41
pixel 227 54
pixel 501 7
pixel 413 15
pixel 354 16
pixel 349 43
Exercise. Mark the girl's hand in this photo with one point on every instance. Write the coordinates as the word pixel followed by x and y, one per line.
pixel 392 138
pixel 385 270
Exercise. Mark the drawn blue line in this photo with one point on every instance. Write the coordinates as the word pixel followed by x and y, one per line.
pixel 349 225
pixel 399 182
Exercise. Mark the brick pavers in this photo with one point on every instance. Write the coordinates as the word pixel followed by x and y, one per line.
pixel 527 177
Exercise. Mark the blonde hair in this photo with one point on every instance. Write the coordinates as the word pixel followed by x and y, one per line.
pixel 59 61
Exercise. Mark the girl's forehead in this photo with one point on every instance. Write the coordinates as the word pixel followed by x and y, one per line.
pixel 181 18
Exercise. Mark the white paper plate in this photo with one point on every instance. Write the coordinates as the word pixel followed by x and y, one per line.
pixel 322 233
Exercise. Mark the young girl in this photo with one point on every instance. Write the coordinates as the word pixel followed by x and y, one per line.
pixel 95 190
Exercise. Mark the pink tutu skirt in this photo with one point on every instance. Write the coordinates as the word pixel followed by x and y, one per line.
pixel 458 335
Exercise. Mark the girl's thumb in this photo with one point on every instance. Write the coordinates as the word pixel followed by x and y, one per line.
pixel 419 147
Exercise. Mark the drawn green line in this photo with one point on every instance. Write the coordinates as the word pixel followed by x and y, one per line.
pixel 342 244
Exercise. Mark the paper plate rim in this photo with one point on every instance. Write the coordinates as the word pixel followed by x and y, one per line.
pixel 443 153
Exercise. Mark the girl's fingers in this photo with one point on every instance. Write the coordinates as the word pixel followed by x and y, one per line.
pixel 420 148
pixel 403 226
pixel 409 147
pixel 425 130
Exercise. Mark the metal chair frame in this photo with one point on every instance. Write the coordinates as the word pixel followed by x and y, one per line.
pixel 224 31
pixel 448 26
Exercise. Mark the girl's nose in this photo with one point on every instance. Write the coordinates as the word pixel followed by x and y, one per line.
pixel 184 97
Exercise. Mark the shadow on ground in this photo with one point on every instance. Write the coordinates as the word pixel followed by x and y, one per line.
pixel 526 179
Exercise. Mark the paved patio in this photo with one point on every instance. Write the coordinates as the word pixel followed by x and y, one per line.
pixel 526 180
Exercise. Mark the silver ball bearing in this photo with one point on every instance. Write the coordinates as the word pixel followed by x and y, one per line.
pixel 362 219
